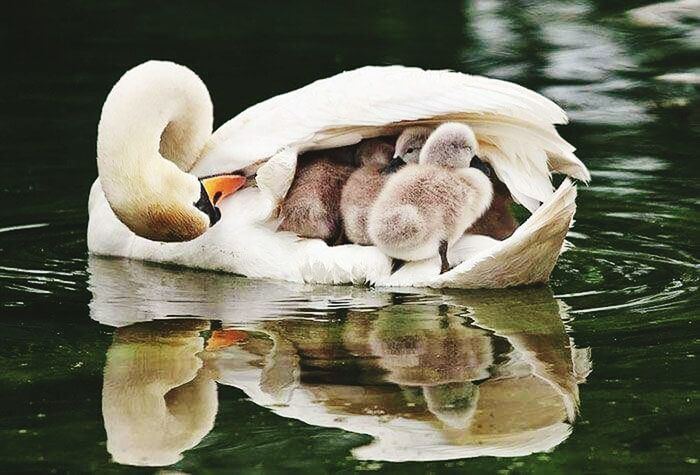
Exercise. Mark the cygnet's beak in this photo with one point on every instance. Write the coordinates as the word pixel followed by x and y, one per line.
pixel 219 187
pixel 393 165
pixel 479 164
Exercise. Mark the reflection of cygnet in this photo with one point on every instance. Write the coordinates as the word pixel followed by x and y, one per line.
pixel 453 403
pixel 158 400
pixel 362 188
pixel 424 208
pixel 419 349
pixel 280 375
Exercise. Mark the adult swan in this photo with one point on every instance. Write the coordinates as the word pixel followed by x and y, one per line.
pixel 155 150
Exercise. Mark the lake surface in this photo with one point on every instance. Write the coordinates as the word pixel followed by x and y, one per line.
pixel 110 365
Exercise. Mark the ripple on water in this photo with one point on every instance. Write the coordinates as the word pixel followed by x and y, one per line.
pixel 23 227
pixel 629 271
pixel 41 259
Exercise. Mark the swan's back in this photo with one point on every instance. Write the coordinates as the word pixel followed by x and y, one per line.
pixel 514 123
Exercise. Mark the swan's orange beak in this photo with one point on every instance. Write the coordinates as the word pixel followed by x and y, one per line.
pixel 220 186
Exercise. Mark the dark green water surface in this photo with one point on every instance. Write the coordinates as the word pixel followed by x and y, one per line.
pixel 108 365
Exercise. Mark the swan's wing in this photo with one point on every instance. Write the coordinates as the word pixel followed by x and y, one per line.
pixel 525 258
pixel 514 124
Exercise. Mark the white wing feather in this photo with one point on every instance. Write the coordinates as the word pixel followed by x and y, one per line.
pixel 514 125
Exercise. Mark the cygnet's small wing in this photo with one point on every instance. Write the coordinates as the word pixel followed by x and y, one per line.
pixel 341 110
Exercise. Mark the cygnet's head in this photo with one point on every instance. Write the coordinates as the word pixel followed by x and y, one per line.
pixel 452 145
pixel 374 152
pixel 453 403
pixel 410 143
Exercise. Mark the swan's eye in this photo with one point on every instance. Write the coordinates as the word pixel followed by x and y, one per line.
pixel 410 150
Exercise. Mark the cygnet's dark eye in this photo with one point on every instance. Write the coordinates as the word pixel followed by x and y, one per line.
pixel 410 150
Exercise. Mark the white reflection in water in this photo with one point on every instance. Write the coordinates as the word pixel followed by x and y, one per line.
pixel 692 77
pixel 493 29
pixel 595 103
pixel 679 14
pixel 582 52
pixel 158 399
pixel 584 59
pixel 431 376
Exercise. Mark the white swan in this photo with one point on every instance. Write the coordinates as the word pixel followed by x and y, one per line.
pixel 161 110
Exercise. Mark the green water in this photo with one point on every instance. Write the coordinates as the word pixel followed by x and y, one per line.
pixel 105 363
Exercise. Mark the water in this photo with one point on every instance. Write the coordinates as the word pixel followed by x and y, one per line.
pixel 233 374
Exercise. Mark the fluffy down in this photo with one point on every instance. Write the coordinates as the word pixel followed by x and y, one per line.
pixel 363 187
pixel 498 221
pixel 311 208
pixel 422 205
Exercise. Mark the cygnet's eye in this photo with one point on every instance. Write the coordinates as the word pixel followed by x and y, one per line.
pixel 410 150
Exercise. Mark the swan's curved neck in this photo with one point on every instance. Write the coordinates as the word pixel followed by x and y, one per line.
pixel 154 125
pixel 155 110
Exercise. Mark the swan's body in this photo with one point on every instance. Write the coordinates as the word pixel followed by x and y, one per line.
pixel 514 126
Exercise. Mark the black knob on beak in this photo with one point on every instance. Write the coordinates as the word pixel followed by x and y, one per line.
pixel 393 166
pixel 206 206
pixel 479 164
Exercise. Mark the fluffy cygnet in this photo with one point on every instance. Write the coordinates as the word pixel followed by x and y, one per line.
pixel 362 188
pixel 311 208
pixel 408 147
pixel 498 221
pixel 425 207
pixel 410 143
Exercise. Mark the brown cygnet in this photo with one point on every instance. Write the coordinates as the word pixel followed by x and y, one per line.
pixel 362 188
pixel 498 221
pixel 311 208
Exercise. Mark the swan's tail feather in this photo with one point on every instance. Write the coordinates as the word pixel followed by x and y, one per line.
pixel 525 258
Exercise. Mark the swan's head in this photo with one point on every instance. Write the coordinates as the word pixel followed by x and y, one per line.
pixel 170 205
pixel 452 145
pixel 155 124
pixel 374 152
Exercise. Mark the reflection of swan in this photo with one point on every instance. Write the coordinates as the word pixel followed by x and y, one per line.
pixel 524 403
pixel 158 400
pixel 430 376
pixel 541 343
pixel 126 291
pixel 160 110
